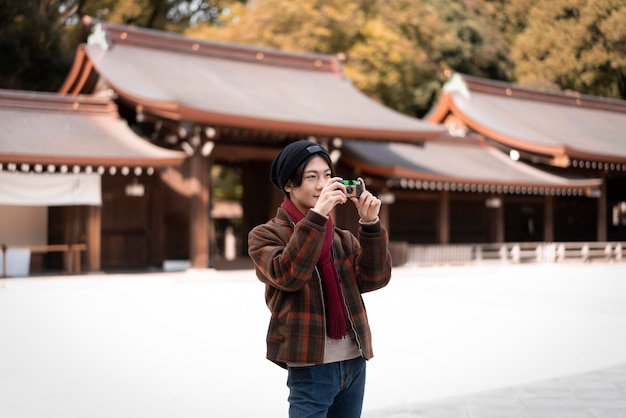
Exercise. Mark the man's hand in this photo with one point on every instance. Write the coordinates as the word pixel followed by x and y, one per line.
pixel 367 205
pixel 330 196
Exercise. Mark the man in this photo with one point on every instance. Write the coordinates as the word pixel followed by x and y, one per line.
pixel 314 275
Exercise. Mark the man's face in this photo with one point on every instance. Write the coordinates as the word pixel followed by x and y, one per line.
pixel 315 176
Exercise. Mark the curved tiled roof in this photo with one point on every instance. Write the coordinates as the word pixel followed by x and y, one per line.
pixel 465 166
pixel 48 128
pixel 569 128
pixel 181 78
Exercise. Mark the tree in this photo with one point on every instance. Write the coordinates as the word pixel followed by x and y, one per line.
pixel 397 51
pixel 226 183
pixel 38 38
pixel 169 15
pixel 574 44
pixel 472 42
pixel 34 52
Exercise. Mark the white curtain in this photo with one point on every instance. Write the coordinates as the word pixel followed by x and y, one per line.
pixel 32 189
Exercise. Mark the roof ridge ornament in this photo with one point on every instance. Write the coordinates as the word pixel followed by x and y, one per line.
pixel 457 84
pixel 98 37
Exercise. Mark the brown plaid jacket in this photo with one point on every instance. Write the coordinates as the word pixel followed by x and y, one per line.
pixel 285 258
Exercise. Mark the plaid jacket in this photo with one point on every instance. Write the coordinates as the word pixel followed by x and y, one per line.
pixel 285 257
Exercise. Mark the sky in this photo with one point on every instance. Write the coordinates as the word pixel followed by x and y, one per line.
pixel 192 344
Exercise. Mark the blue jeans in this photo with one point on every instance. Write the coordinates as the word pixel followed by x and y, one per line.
pixel 333 390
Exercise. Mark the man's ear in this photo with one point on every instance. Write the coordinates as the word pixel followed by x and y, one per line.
pixel 288 187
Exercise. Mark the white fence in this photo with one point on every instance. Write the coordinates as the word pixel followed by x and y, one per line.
pixel 527 252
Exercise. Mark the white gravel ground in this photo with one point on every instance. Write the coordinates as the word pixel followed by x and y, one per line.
pixel 192 344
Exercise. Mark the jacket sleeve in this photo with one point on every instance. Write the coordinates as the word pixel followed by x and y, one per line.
pixel 373 260
pixel 285 255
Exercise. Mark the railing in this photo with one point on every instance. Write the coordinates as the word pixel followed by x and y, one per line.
pixel 513 253
pixel 71 254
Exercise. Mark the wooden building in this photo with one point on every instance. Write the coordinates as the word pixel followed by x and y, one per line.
pixel 454 191
pixel 566 134
pixel 190 104
pixel 226 104
pixel 68 167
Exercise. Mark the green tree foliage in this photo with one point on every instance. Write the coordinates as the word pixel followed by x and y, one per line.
pixel 472 42
pixel 34 52
pixel 510 16
pixel 169 15
pixel 396 51
pixel 573 44
pixel 38 38
pixel 226 183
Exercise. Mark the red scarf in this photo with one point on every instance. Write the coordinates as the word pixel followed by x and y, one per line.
pixel 336 314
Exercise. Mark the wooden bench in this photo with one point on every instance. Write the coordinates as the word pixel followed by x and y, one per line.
pixel 71 255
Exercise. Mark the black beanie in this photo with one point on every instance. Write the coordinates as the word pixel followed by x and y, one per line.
pixel 289 159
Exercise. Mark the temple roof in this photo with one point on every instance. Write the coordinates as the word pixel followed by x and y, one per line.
pixel 220 84
pixel 569 129
pixel 458 165
pixel 51 129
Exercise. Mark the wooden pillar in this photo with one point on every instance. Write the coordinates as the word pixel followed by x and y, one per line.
pixel 212 234
pixel 602 233
pixel 157 234
pixel 548 219
pixel 94 238
pixel 72 236
pixel 4 260
pixel 443 229
pixel 199 211
pixel 498 221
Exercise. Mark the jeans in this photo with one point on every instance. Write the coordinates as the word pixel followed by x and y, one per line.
pixel 333 390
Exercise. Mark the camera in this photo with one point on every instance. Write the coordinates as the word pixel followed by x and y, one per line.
pixel 354 188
